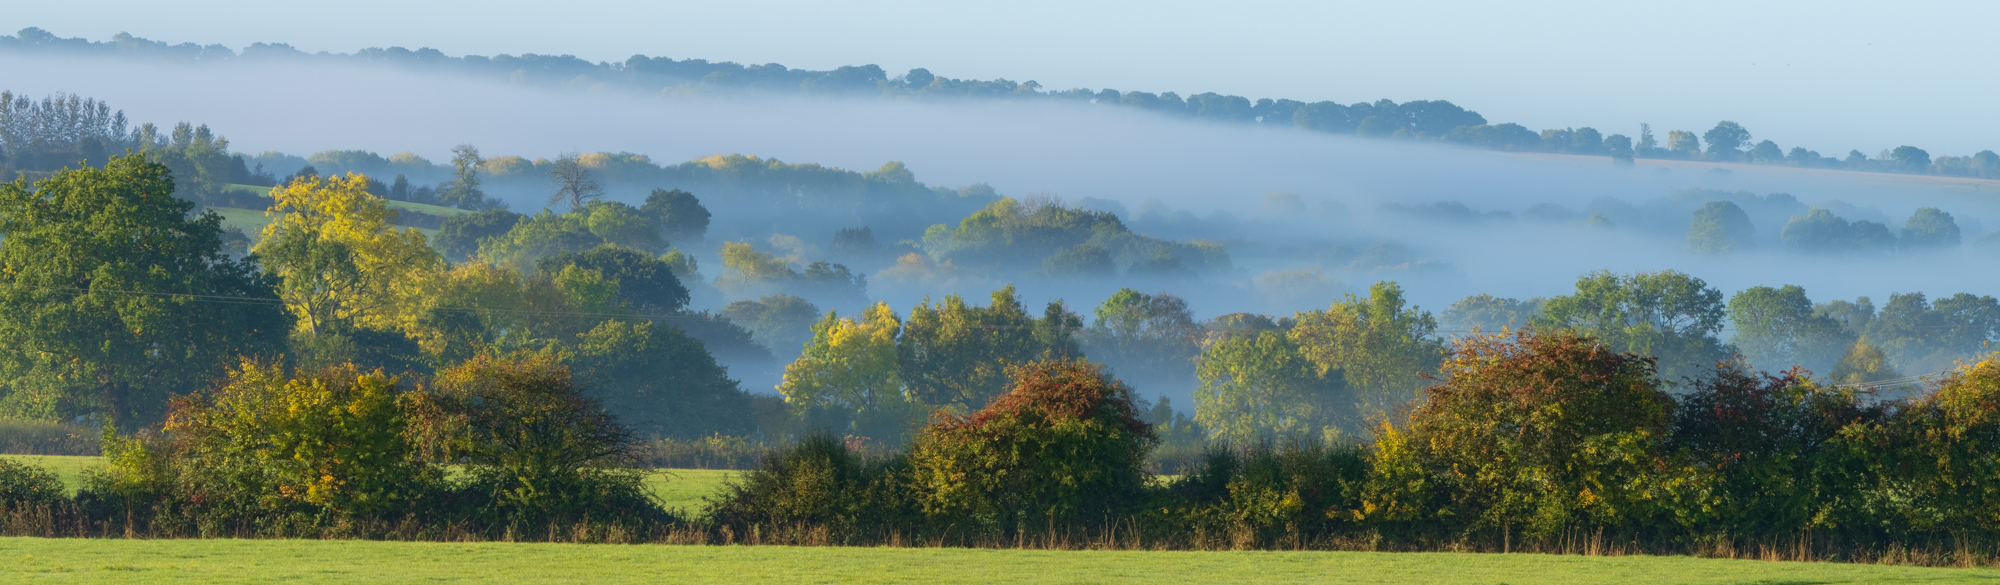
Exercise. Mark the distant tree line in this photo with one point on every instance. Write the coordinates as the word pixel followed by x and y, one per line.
pixel 1436 120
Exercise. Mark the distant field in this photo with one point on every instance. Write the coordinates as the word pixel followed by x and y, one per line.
pixel 318 561
pixel 250 221
pixel 681 489
pixel 66 467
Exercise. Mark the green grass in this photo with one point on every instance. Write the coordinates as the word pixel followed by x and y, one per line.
pixel 251 221
pixel 236 561
pixel 68 468
pixel 684 488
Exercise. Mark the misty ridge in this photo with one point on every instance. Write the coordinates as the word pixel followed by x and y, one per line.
pixel 897 190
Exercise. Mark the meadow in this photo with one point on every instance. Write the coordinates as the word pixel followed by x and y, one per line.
pixel 335 561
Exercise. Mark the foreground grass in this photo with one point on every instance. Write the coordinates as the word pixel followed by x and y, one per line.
pixel 233 561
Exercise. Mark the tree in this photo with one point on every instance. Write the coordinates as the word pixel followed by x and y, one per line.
pixel 1929 228
pixel 679 214
pixel 1777 328
pixel 463 189
pixel 1619 146
pixel 112 296
pixel 955 354
pixel 1767 152
pixel 341 261
pixel 1668 315
pixel 646 285
pixel 1683 143
pixel 1484 313
pixel 1381 346
pixel 658 381
pixel 780 322
pixel 573 181
pixel 459 237
pixel 849 368
pixel 1726 137
pixel 1147 337
pixel 1259 385
pixel 1720 227
pixel 1911 158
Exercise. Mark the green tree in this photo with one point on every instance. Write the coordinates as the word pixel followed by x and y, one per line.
pixel 1929 228
pixel 458 239
pixel 1683 143
pixel 112 296
pixel 463 189
pixel 781 322
pixel 680 215
pixel 659 381
pixel 1720 227
pixel 646 285
pixel 1668 315
pixel 1726 139
pixel 1145 337
pixel 955 354
pixel 1777 328
pixel 849 370
pixel 1484 313
pixel 1911 158
pixel 1260 385
pixel 1381 346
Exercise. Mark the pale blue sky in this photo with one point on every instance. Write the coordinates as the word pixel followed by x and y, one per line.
pixel 1825 75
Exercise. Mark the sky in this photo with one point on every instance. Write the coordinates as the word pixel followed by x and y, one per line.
pixel 1829 76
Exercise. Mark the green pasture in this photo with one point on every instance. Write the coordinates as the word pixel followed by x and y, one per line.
pixel 329 561
pixel 676 488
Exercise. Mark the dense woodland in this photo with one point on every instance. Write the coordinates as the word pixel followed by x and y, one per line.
pixel 1426 120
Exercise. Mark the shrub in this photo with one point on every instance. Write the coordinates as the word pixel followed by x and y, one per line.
pixel 1940 463
pixel 330 440
pixel 817 483
pixel 1537 431
pixel 536 450
pixel 1770 455
pixel 1064 446
pixel 1272 493
pixel 23 485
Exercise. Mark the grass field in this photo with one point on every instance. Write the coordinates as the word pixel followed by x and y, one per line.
pixel 235 561
pixel 676 488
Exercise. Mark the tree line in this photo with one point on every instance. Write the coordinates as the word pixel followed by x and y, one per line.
pixel 1432 120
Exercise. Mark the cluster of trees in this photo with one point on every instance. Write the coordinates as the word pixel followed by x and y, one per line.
pixel 1678 320
pixel 68 130
pixel 1524 442
pixel 1422 119
pixel 1046 236
pixel 493 447
pixel 117 297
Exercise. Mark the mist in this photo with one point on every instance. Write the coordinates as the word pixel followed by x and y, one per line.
pixel 1304 216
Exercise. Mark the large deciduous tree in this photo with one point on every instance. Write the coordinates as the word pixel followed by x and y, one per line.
pixel 112 296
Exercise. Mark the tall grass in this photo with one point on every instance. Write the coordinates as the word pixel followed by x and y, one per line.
pixel 29 437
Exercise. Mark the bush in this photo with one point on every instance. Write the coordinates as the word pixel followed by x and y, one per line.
pixel 535 449
pixel 23 485
pixel 817 483
pixel 1064 446
pixel 1271 493
pixel 1533 432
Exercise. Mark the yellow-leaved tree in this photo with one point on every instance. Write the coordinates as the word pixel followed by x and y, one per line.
pixel 847 375
pixel 342 261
